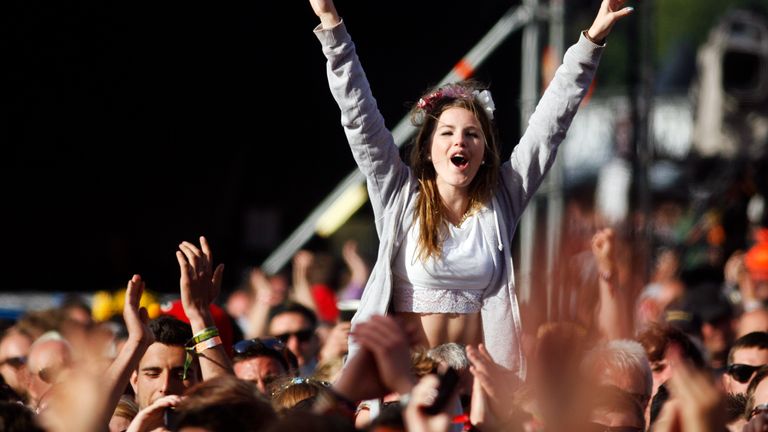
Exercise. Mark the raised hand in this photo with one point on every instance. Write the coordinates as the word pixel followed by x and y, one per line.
pixel 326 11
pixel 199 283
pixel 493 389
pixel 696 404
pixel 702 404
pixel 612 314
pixel 357 266
pixel 336 344
pixel 390 346
pixel 602 249
pixel 610 12
pixel 262 288
pixel 423 395
pixel 136 317
pixel 151 417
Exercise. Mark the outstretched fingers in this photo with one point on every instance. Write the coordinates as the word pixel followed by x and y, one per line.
pixel 184 267
pixel 134 291
pixel 218 275
pixel 610 12
pixel 136 317
pixel 195 257
pixel 207 254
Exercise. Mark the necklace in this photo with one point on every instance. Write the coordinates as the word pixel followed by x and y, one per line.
pixel 470 211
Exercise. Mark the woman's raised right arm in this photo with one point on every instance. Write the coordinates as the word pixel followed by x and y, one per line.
pixel 372 144
pixel 326 11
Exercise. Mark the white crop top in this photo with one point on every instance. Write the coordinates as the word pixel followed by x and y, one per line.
pixel 454 282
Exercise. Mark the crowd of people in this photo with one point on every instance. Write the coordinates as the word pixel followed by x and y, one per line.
pixel 437 341
pixel 693 361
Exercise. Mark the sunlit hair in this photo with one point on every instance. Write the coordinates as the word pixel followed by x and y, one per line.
pixel 126 408
pixel 430 211
pixel 289 392
pixel 622 358
pixel 421 363
pixel 224 403
pixel 657 338
pixel 450 353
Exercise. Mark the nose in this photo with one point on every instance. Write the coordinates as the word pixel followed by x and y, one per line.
pixel 293 344
pixel 165 384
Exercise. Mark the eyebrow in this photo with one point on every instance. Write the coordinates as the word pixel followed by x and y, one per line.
pixel 450 126
pixel 151 369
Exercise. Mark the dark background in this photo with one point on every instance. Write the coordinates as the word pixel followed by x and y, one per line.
pixel 135 125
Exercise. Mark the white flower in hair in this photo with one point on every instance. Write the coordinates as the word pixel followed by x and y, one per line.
pixel 484 98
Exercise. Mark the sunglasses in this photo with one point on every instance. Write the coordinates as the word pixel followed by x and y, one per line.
pixel 741 372
pixel 256 346
pixel 301 335
pixel 14 362
pixel 757 410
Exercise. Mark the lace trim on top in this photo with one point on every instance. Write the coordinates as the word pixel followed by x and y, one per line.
pixel 407 299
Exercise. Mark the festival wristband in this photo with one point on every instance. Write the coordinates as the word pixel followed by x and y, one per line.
pixel 208 343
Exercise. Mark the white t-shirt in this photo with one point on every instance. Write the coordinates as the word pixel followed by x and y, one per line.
pixel 452 283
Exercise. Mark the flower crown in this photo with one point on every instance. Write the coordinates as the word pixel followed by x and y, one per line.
pixel 454 91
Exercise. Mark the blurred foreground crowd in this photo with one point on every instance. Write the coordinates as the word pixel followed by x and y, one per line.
pixel 686 350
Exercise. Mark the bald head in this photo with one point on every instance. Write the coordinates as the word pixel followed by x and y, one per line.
pixel 753 321
pixel 48 357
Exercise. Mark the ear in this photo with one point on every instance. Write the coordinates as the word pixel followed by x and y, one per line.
pixel 726 381
pixel 134 381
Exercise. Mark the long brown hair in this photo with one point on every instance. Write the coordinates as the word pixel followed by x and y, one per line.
pixel 430 210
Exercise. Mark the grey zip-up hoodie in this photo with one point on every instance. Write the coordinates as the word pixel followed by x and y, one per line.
pixel 392 187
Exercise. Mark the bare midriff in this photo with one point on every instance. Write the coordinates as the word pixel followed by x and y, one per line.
pixel 439 328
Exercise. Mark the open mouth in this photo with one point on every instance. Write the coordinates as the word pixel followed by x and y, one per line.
pixel 460 161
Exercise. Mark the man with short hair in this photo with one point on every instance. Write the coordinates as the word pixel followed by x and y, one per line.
pixel 261 361
pixel 295 325
pixel 161 368
pixel 621 375
pixel 747 354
